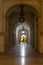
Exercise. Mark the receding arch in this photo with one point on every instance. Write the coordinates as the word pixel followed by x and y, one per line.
pixel 14 9
pixel 26 33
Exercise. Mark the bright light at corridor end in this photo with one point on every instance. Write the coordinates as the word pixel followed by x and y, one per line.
pixel 23 32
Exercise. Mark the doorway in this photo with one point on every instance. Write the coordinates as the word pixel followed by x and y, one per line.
pixel 23 38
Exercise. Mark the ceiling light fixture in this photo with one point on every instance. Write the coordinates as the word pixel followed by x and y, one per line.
pixel 22 19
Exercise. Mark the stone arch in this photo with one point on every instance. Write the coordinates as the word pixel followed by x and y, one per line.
pixel 31 7
pixel 19 29
pixel 36 5
pixel 10 10
pixel 19 35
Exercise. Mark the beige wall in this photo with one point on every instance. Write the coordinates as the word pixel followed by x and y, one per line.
pixel 1 29
pixel 0 15
pixel 41 30
pixel 5 4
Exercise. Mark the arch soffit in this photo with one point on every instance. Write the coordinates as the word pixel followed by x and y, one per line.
pixel 9 9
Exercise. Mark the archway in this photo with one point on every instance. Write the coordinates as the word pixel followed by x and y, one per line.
pixel 12 19
pixel 19 32
pixel 23 38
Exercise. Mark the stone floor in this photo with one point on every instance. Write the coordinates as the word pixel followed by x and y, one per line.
pixel 22 54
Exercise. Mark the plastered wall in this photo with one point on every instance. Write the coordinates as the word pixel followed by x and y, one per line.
pixel 1 29
pixel 41 30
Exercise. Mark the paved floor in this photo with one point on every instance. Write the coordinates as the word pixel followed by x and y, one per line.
pixel 22 54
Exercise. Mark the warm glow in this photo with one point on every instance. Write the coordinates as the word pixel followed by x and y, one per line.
pixel 23 38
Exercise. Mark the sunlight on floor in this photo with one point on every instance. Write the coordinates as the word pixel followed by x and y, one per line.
pixel 22 61
pixel 23 46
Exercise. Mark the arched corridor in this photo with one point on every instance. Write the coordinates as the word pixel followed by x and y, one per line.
pixel 15 26
pixel 21 44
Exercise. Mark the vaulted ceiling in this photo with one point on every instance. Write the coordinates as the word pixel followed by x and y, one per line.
pixel 27 9
pixel 30 13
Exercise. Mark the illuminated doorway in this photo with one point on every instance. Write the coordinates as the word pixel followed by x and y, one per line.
pixel 23 38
